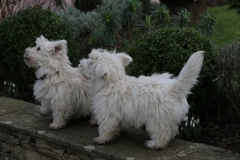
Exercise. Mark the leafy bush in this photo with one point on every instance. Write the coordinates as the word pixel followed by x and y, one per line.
pixel 80 23
pixel 229 72
pixel 82 26
pixel 19 32
pixel 167 50
pixel 113 23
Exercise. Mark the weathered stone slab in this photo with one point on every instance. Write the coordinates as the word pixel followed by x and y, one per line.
pixel 26 131
pixel 8 105
pixel 205 152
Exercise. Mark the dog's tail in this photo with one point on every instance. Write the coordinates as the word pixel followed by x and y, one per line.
pixel 189 74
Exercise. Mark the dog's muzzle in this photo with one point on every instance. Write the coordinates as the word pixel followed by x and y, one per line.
pixel 26 56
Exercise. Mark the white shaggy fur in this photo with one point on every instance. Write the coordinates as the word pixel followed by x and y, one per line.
pixel 120 101
pixel 60 88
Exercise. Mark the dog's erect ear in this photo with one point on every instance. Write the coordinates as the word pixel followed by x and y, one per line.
pixel 126 59
pixel 60 46
pixel 100 71
pixel 41 40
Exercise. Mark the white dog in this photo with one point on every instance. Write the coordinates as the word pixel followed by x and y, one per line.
pixel 60 88
pixel 120 101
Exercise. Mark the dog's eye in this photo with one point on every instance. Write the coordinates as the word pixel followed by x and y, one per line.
pixel 38 48
pixel 90 63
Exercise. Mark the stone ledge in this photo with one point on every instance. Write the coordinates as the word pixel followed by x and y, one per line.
pixel 24 135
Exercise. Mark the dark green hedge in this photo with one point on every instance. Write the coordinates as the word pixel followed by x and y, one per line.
pixel 19 32
pixel 167 50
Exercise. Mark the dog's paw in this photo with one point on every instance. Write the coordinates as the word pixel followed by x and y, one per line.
pixel 55 126
pixel 44 111
pixel 93 122
pixel 99 140
pixel 153 145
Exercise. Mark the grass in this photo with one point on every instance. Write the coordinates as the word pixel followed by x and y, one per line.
pixel 227 27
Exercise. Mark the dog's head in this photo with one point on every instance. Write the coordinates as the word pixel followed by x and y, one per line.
pixel 83 67
pixel 104 64
pixel 46 53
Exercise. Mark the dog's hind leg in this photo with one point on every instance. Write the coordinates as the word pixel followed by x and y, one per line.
pixel 108 129
pixel 160 135
pixel 93 120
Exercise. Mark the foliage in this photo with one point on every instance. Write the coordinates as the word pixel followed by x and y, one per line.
pixel 16 36
pixel 158 17
pixel 167 50
pixel 80 23
pixel 207 23
pixel 10 90
pixel 229 72
pixel 182 18
pixel 223 132
pixel 190 129
pixel 146 25
pixel 107 3
pixel 116 22
pixel 111 22
pixel 161 14
pixel 129 14
pixel 83 25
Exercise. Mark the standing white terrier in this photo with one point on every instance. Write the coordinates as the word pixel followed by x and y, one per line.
pixel 120 101
pixel 60 88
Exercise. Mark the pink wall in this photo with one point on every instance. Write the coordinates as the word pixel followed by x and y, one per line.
pixel 8 7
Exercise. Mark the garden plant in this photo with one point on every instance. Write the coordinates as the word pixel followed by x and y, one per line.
pixel 147 32
pixel 16 36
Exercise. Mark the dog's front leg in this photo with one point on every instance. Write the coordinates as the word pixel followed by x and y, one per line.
pixel 45 109
pixel 60 117
pixel 108 128
pixel 93 120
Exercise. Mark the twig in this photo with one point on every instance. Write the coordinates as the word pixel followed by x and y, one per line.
pixel 114 46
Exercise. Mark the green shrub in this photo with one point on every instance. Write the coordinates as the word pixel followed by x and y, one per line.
pixel 167 50
pixel 113 23
pixel 19 32
pixel 229 72
pixel 82 26
pixel 81 23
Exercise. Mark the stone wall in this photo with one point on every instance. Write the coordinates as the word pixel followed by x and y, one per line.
pixel 24 135
pixel 15 145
